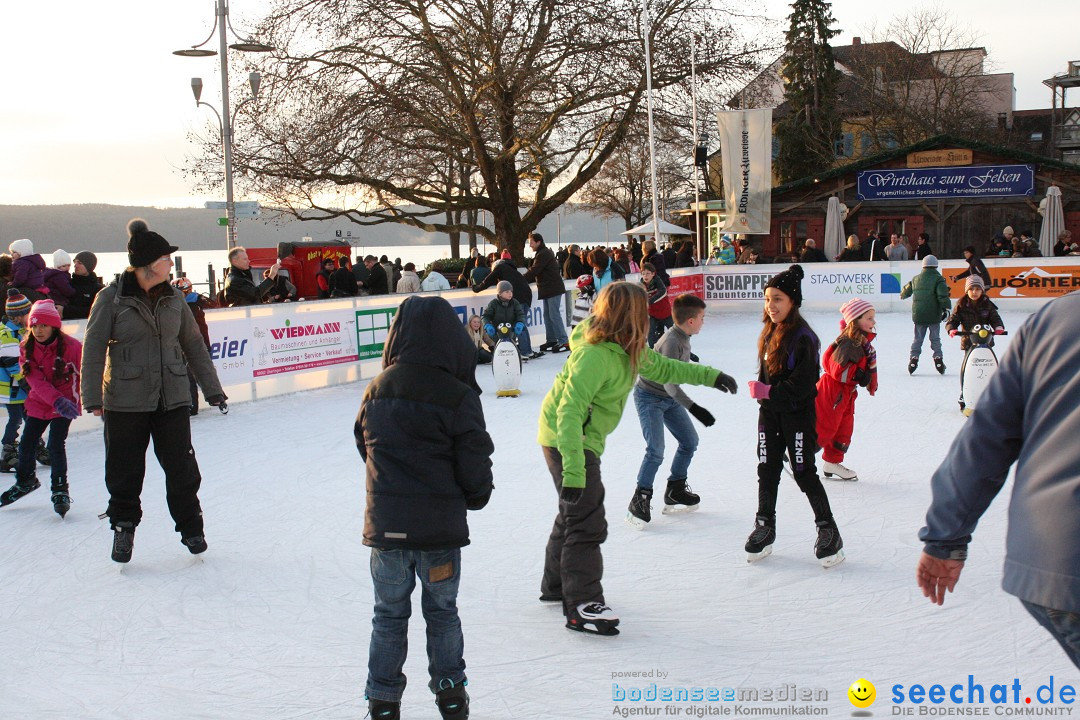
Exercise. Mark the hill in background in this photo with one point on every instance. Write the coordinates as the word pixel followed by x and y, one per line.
pixel 101 228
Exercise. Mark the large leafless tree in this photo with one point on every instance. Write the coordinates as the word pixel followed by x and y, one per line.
pixel 430 113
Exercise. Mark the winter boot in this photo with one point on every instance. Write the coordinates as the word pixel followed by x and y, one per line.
pixel 384 710
pixel 939 364
pixel 829 545
pixel 9 458
pixel 679 498
pixel 640 513
pixel 912 364
pixel 43 454
pixel 123 541
pixel 195 544
pixel 836 471
pixel 453 701
pixel 22 486
pixel 759 544
pixel 593 617
pixel 61 500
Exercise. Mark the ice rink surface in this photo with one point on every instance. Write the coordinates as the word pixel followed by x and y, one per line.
pixel 273 621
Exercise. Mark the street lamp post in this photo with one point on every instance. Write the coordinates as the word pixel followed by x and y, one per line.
pixel 225 118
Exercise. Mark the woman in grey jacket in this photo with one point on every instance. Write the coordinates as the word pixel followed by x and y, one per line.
pixel 140 339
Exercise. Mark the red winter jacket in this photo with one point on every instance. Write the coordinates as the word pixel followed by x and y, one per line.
pixel 840 365
pixel 45 387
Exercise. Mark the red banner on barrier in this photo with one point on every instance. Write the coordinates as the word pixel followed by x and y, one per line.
pixel 1024 281
pixel 693 284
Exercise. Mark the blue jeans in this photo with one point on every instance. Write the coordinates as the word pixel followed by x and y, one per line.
pixel 553 319
pixel 393 574
pixel 656 413
pixel 35 428
pixel 1062 624
pixel 16 412
pixel 935 339
pixel 524 341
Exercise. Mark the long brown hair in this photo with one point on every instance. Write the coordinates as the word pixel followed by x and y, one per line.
pixel 775 340
pixel 852 331
pixel 621 315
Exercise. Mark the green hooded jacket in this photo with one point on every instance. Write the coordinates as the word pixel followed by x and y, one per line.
pixel 586 401
pixel 930 297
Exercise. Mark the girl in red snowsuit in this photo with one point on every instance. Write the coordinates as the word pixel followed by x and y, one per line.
pixel 849 363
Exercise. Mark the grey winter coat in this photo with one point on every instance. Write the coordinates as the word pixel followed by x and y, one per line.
pixel 1027 415
pixel 136 359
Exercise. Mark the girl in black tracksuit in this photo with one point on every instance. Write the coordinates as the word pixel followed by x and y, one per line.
pixel 785 389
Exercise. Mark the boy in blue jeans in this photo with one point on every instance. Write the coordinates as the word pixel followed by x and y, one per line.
pixel 660 406
pixel 427 452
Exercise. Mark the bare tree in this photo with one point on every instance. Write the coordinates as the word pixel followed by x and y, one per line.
pixel 369 104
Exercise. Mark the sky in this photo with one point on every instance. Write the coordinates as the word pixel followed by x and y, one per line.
pixel 104 116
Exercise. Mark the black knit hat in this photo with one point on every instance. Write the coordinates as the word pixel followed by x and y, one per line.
pixel 145 246
pixel 88 260
pixel 789 282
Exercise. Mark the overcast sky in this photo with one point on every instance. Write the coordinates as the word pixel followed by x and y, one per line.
pixel 96 109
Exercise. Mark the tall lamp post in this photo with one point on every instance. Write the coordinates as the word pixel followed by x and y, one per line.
pixel 225 119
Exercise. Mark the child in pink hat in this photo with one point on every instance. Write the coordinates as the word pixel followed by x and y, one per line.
pixel 849 363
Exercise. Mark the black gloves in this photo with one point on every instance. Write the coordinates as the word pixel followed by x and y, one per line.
pixel 726 383
pixel 945 314
pixel 694 358
pixel 478 503
pixel 862 377
pixel 704 416
pixel 217 400
pixel 570 495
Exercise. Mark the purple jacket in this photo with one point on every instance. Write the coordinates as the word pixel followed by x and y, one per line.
pixel 59 284
pixel 28 272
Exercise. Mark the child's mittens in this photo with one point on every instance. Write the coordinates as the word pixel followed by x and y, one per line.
pixel 999 331
pixel 872 387
pixel 952 333
pixel 519 328
pixel 490 330
pixel 703 416
pixel 66 408
pixel 759 390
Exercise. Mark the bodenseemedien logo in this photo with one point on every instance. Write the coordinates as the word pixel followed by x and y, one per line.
pixel 862 693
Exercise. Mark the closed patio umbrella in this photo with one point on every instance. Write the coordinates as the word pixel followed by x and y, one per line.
pixel 1053 221
pixel 834 230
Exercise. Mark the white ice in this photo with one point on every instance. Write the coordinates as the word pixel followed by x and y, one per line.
pixel 274 620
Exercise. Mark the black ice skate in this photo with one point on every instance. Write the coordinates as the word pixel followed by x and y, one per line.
pixel 123 541
pixel 640 512
pixel 453 702
pixel 912 365
pixel 61 500
pixel 42 454
pixel 679 498
pixel 195 544
pixel 759 544
pixel 593 617
pixel 940 365
pixel 9 458
pixel 829 545
pixel 22 487
pixel 384 710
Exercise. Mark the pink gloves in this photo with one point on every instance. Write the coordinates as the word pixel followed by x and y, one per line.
pixel 952 333
pixel 759 390
pixel 999 331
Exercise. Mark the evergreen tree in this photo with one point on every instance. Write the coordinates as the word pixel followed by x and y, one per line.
pixel 808 132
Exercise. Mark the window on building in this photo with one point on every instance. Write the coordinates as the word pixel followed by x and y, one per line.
pixel 775 147
pixel 1036 137
pixel 712 228
pixel 790 235
pixel 844 145
pixel 888 226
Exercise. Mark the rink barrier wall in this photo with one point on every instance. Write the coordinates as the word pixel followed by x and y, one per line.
pixel 265 350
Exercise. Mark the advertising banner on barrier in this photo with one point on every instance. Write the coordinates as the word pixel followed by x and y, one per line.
pixel 692 284
pixel 304 341
pixel 831 281
pixel 231 349
pixel 1030 281
pixel 746 162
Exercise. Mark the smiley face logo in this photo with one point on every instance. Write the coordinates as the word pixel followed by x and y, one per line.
pixel 862 693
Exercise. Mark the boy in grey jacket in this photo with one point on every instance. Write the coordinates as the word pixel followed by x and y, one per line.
pixel 1027 415
pixel 660 406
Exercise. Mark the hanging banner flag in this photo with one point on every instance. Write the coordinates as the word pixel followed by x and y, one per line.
pixel 746 162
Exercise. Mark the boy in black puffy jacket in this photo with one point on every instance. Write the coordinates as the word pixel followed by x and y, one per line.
pixel 422 436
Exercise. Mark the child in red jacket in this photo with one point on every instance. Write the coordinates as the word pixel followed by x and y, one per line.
pixel 51 363
pixel 849 363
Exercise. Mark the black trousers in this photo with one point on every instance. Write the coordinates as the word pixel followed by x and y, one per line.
pixel 794 433
pixel 573 564
pixel 127 435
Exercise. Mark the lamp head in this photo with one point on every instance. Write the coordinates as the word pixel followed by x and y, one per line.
pixel 196 89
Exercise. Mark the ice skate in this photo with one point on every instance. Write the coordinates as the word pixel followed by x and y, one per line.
pixel 384 710
pixel 195 544
pixel 759 544
pixel 61 500
pixel 829 545
pixel 940 365
pixel 639 515
pixel 593 617
pixel 836 471
pixel 912 365
pixel 21 487
pixel 453 701
pixel 679 498
pixel 9 458
pixel 561 348
pixel 123 541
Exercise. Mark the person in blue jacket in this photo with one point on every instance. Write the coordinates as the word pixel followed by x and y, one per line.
pixel 1026 416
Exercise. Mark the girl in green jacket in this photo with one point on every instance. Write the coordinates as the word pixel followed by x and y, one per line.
pixel 607 352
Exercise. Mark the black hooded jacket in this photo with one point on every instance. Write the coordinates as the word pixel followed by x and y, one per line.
pixel 421 433
pixel 505 270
